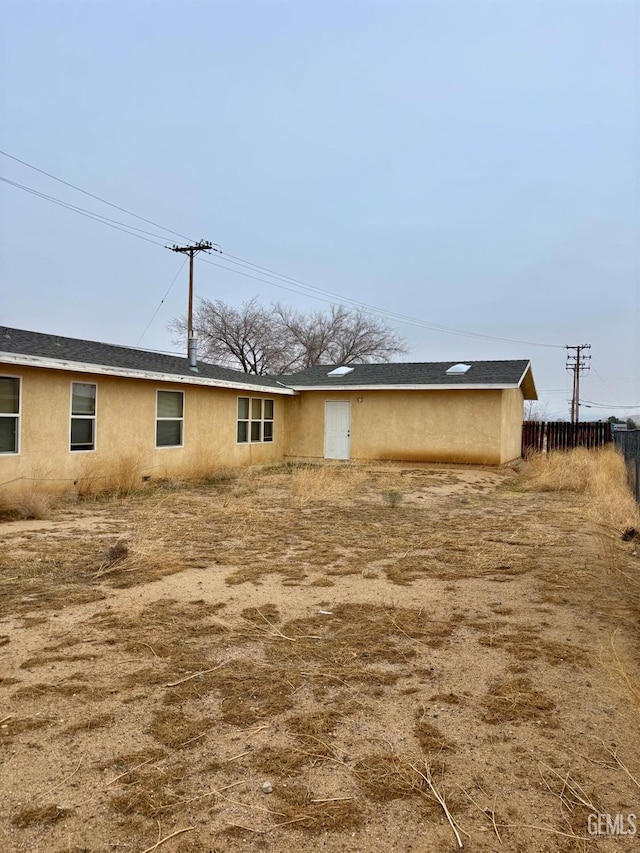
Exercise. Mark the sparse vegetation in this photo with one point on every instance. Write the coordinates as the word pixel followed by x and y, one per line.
pixel 599 475
pixel 392 497
pixel 27 503
pixel 187 644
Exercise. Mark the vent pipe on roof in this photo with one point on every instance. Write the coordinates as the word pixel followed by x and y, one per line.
pixel 193 352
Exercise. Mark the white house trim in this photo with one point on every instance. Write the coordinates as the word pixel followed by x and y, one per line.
pixel 127 373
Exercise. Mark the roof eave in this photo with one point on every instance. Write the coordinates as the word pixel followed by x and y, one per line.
pixel 131 373
pixel 411 387
pixel 527 384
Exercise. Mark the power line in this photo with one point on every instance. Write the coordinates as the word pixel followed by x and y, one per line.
pixel 329 296
pixel 91 195
pixel 274 279
pixel 97 217
pixel 605 385
pixel 374 309
pixel 608 406
pixel 153 317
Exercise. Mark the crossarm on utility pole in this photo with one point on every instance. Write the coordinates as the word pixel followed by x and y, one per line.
pixel 192 250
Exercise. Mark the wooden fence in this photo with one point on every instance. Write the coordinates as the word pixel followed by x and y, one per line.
pixel 560 435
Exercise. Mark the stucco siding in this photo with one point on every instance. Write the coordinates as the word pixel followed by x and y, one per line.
pixel 468 426
pixel 512 416
pixel 126 430
pixel 429 426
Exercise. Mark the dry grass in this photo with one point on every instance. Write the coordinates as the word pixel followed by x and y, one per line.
pixel 207 469
pixel 124 477
pixel 27 503
pixel 336 709
pixel 176 730
pixel 249 692
pixel 16 726
pixel 598 474
pixel 125 762
pixel 383 777
pixel 89 724
pixel 282 762
pixel 525 643
pixel 319 484
pixel 517 700
pixel 296 804
pixel 432 741
pixel 392 498
pixel 289 523
pixel 90 478
pixel 149 791
pixel 34 815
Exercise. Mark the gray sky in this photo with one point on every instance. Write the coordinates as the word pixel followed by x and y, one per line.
pixel 473 165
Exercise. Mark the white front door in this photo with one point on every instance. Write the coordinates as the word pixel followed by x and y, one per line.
pixel 337 430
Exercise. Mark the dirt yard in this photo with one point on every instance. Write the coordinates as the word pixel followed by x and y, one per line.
pixel 395 654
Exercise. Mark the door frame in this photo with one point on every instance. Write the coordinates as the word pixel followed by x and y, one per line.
pixel 346 403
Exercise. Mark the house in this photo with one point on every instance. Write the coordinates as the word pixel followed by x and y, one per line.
pixel 425 412
pixel 73 410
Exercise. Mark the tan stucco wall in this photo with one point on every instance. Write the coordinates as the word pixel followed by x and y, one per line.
pixel 512 417
pixel 428 426
pixel 482 427
pixel 125 430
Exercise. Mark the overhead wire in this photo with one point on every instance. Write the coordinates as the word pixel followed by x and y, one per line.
pixel 390 314
pixel 331 298
pixel 112 223
pixel 91 195
pixel 153 317
pixel 274 279
pixel 608 405
pixel 605 384
pixel 371 308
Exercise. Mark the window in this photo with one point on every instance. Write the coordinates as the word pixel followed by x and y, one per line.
pixel 9 414
pixel 83 416
pixel 255 420
pixel 170 419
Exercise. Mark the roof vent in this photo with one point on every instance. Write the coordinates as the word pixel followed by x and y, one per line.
pixel 458 369
pixel 340 371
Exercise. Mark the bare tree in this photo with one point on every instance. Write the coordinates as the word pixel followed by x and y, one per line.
pixel 340 336
pixel 534 410
pixel 277 340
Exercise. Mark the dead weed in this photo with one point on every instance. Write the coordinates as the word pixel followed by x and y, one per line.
pixel 517 700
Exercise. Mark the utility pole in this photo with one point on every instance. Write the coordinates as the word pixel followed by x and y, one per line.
pixel 578 361
pixel 191 250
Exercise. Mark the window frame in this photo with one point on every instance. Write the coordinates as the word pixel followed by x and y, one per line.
pixel 180 420
pixel 251 420
pixel 17 416
pixel 93 417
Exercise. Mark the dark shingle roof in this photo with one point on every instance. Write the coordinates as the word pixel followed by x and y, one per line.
pixel 75 350
pixel 496 373
pixel 65 352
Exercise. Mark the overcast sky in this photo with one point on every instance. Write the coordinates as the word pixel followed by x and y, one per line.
pixel 473 165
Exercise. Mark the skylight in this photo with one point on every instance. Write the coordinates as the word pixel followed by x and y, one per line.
pixel 340 371
pixel 458 369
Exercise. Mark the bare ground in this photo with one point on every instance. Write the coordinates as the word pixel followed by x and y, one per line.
pixel 369 641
